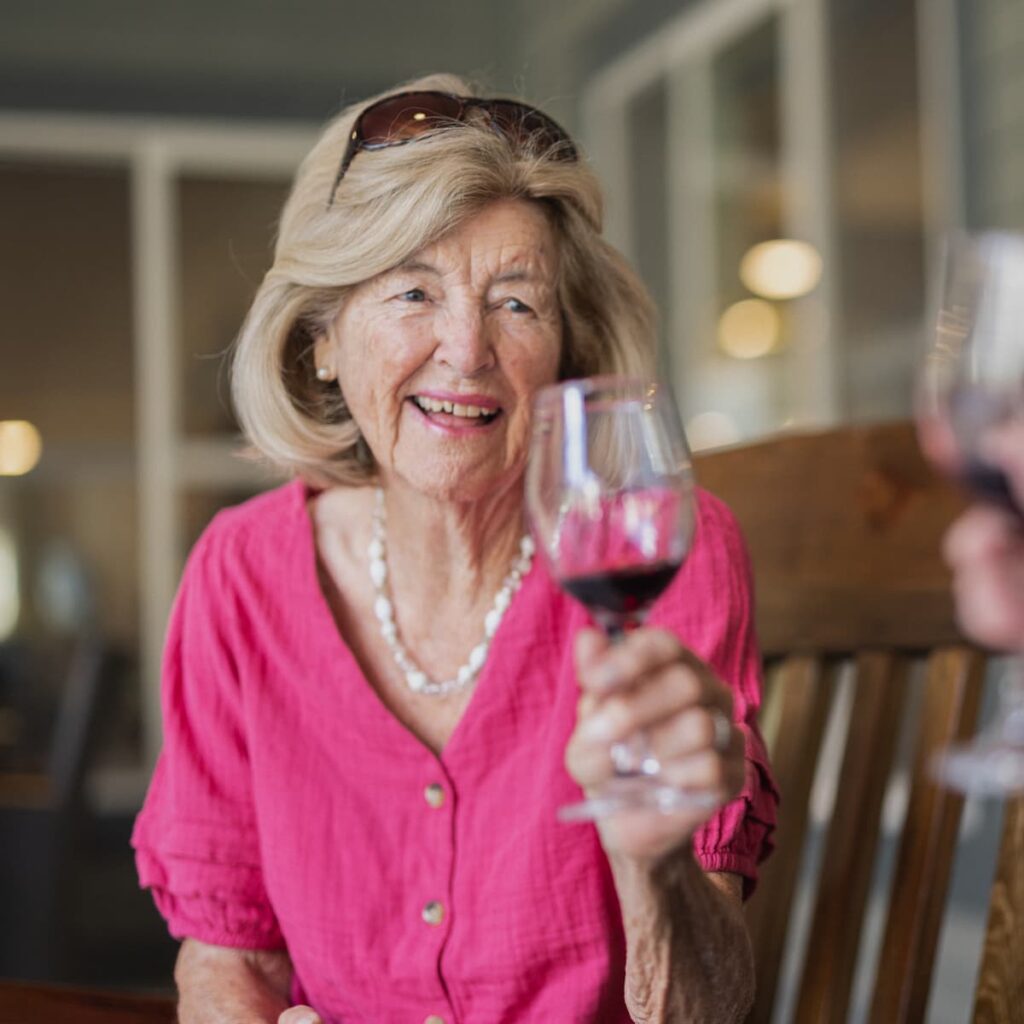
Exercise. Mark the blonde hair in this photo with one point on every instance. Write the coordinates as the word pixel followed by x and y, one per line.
pixel 391 203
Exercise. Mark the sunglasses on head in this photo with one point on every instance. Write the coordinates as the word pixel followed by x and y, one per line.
pixel 408 116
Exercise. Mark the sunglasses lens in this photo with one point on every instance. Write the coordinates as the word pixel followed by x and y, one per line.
pixel 399 118
pixel 528 125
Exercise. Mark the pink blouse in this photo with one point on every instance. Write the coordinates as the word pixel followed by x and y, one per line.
pixel 289 808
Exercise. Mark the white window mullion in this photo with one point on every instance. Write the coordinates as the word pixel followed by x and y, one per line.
pixel 606 136
pixel 810 209
pixel 155 314
pixel 692 241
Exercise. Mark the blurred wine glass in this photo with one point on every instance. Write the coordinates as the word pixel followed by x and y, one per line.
pixel 972 384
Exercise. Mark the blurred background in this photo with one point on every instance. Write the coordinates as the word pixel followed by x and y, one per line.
pixel 779 171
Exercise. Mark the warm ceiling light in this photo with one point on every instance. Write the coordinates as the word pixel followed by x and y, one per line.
pixel 749 329
pixel 782 269
pixel 711 430
pixel 20 447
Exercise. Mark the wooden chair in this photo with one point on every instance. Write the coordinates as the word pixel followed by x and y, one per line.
pixel 844 529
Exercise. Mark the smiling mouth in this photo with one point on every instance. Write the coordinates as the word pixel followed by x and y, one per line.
pixel 468 414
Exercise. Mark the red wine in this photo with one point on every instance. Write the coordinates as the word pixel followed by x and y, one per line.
pixel 990 483
pixel 624 592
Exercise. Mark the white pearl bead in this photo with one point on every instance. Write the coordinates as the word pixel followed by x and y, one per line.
pixel 464 676
pixel 382 609
pixel 416 679
pixel 378 572
pixel 492 621
pixel 477 657
pixel 502 599
pixel 376 550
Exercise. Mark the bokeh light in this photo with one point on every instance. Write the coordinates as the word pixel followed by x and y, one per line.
pixel 749 329
pixel 781 269
pixel 20 447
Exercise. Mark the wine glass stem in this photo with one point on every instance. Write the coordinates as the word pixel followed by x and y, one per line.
pixel 1011 701
pixel 632 756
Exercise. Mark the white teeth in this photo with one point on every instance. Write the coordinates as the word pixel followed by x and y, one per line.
pixel 453 408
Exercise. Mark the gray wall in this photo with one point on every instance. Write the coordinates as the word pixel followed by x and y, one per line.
pixel 992 40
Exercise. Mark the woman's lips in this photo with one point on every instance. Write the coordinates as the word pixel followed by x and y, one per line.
pixel 456 416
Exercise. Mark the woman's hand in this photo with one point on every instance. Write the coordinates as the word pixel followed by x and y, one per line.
pixel 649 682
pixel 985 549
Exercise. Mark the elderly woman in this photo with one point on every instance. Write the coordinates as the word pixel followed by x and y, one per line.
pixel 375 699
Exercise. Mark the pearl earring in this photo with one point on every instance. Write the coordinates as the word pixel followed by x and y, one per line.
pixel 324 373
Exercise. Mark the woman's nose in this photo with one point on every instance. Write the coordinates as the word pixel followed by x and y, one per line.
pixel 464 341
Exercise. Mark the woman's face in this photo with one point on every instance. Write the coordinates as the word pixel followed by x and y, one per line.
pixel 440 357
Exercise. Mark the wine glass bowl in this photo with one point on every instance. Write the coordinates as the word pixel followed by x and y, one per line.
pixel 609 493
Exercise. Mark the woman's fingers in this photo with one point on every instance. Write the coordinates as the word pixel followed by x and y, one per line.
pixel 692 731
pixel 651 703
pixel 602 666
pixel 985 548
pixel 661 691
pixel 706 772
pixel 300 1015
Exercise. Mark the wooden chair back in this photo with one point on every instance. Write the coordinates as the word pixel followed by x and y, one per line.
pixel 844 529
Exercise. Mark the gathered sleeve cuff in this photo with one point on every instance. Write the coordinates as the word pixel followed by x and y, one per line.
pixel 202 885
pixel 739 836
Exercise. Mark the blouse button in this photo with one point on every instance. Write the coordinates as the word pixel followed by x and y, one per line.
pixel 433 912
pixel 434 794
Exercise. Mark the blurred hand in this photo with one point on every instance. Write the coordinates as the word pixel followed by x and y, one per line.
pixel 650 682
pixel 300 1015
pixel 985 549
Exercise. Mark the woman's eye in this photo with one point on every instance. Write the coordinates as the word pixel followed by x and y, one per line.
pixel 515 306
pixel 414 295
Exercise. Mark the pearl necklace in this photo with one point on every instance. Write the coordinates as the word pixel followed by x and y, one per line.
pixel 416 679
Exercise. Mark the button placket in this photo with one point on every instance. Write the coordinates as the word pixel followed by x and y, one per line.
pixel 437 808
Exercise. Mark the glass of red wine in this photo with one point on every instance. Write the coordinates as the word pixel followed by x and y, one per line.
pixel 972 385
pixel 609 493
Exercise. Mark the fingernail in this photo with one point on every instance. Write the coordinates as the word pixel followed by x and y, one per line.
pixel 597 728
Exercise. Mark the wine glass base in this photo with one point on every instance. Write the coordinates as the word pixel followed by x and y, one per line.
pixel 635 793
pixel 982 768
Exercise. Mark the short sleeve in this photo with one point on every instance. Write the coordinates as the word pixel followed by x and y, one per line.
pixel 196 841
pixel 711 606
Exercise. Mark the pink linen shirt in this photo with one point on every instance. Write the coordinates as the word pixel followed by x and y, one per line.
pixel 290 808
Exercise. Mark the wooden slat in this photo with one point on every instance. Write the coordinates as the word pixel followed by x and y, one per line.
pixel 949 712
pixel 850 846
pixel 999 997
pixel 805 689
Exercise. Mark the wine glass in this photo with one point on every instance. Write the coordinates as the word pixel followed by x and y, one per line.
pixel 609 494
pixel 973 383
